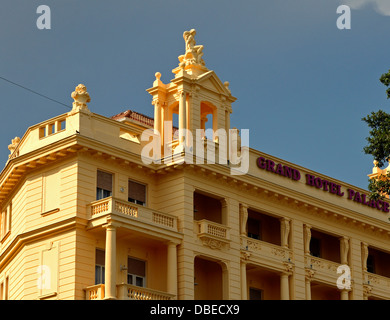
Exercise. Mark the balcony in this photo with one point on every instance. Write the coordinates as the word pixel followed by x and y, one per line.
pixel 95 292
pixel 130 213
pixel 324 270
pixel 127 292
pixel 265 253
pixel 377 285
pixel 212 234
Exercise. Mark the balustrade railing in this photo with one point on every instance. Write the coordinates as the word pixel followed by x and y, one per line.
pixel 132 210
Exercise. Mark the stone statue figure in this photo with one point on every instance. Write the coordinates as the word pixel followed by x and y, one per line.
pixel 194 53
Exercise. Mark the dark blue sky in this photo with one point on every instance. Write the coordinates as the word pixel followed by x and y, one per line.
pixel 302 85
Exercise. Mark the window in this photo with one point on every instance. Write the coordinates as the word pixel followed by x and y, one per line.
pixel 99 266
pixel 137 193
pixel 255 294
pixel 315 247
pixel 370 264
pixel 254 229
pixel 104 185
pixel 136 272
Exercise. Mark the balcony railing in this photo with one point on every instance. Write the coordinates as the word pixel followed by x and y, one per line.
pixel 212 234
pixel 131 292
pixel 322 269
pixel 95 292
pixel 134 211
pixel 210 228
pixel 323 265
pixel 265 249
pixel 127 292
pixel 380 285
pixel 377 280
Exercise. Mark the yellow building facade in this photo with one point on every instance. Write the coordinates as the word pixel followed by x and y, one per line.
pixel 86 215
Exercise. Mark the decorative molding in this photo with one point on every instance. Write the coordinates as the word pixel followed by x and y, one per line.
pixel 367 289
pixel 309 274
pixel 289 267
pixel 245 255
pixel 81 98
pixel 213 243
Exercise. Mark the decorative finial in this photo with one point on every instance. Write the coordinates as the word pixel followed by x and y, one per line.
pixel 81 98
pixel 226 84
pixel 376 162
pixel 13 146
pixel 158 82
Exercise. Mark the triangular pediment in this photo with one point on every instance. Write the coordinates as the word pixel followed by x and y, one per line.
pixel 210 80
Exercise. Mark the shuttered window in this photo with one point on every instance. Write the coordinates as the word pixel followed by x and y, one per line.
pixel 136 272
pixel 104 185
pixel 137 193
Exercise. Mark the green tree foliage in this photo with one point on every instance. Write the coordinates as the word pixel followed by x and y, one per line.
pixel 379 143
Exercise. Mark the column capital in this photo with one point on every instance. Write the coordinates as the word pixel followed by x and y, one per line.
pixel 156 102
pixel 181 92
pixel 309 274
pixel 244 206
pixel 224 202
pixel 288 268
pixel 110 225
pixel 173 243
pixel 245 255
pixel 367 289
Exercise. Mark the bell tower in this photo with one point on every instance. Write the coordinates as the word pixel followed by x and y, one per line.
pixel 195 94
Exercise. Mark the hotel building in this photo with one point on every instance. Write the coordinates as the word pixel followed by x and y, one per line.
pixel 84 216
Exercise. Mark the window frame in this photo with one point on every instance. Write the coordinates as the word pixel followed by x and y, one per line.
pixel 135 276
pixel 100 192
pixel 134 200
pixel 101 268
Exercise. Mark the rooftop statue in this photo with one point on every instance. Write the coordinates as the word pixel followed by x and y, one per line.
pixel 194 53
pixel 81 98
pixel 12 147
